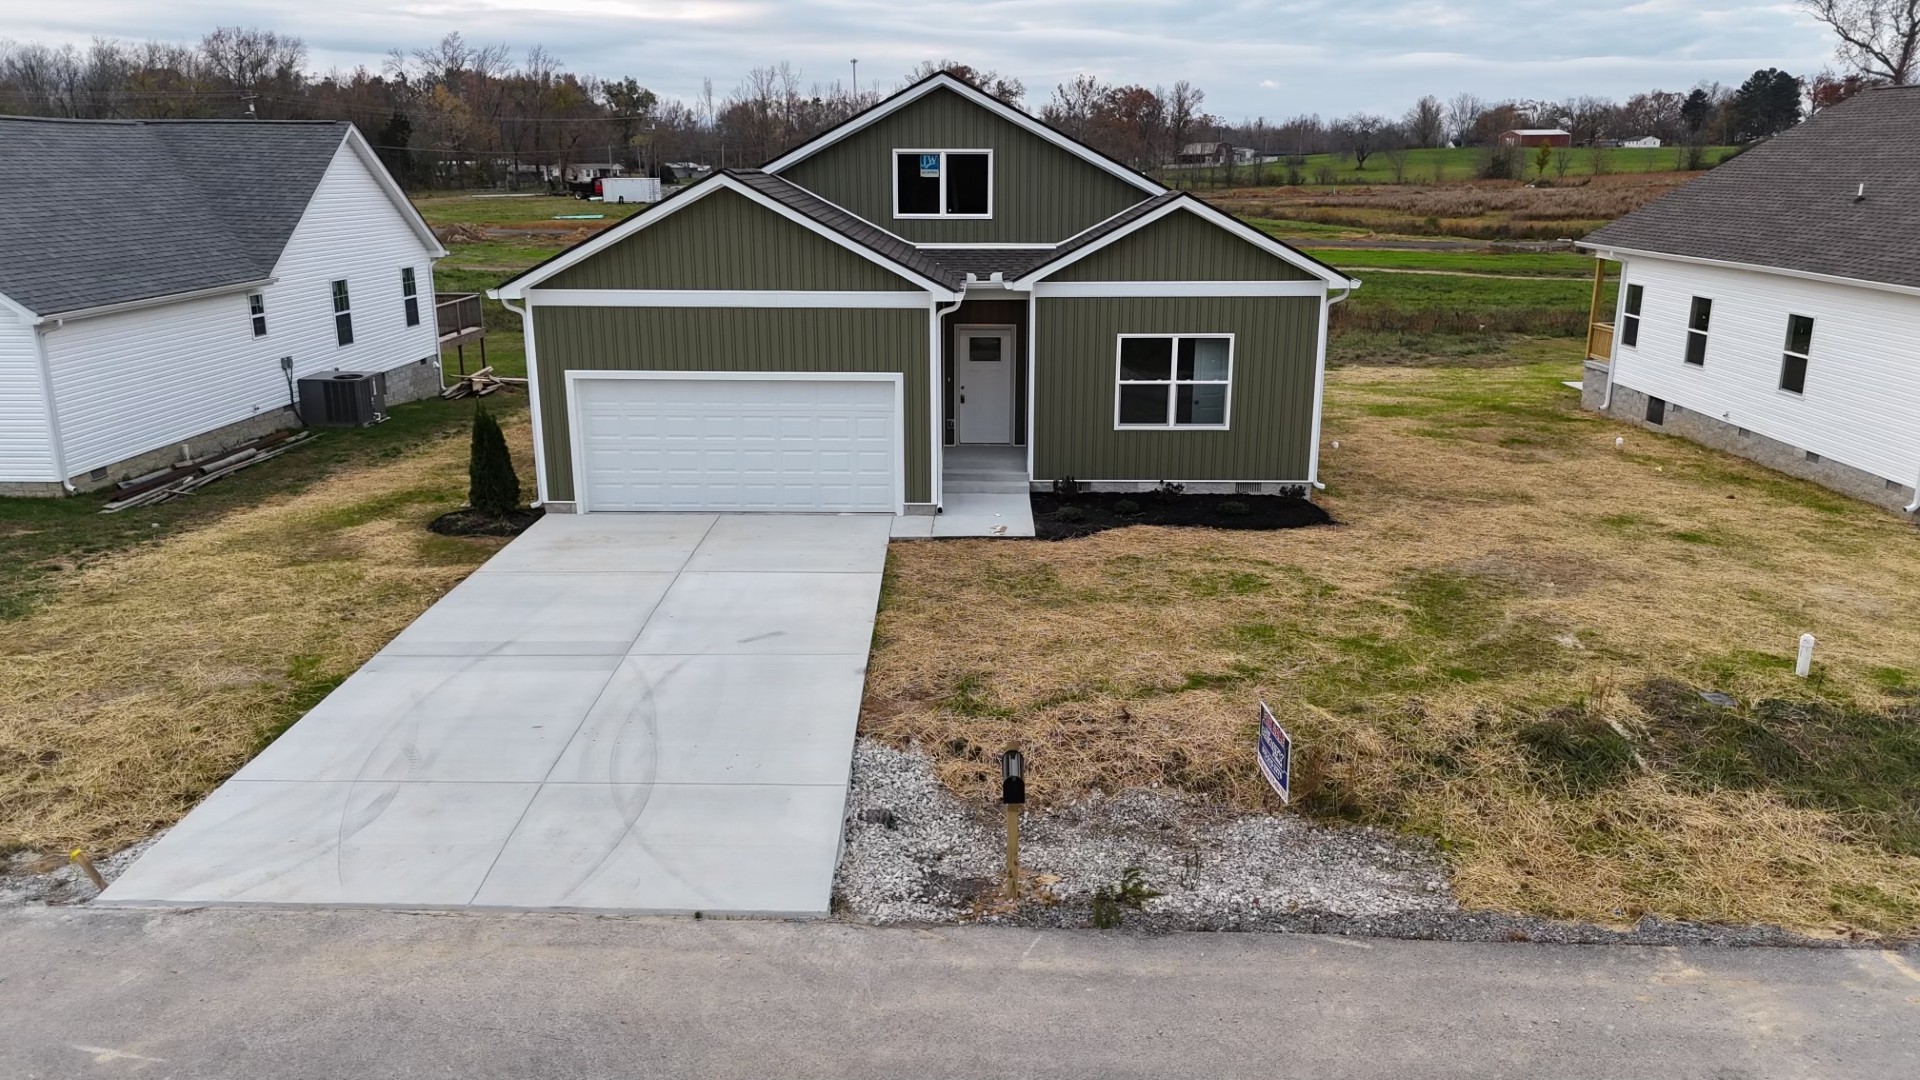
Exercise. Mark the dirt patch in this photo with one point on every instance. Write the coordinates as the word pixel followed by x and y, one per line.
pixel 1069 517
pixel 470 522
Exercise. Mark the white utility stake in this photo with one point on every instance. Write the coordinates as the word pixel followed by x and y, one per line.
pixel 1805 663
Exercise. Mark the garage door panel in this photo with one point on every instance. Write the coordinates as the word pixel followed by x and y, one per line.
pixel 738 444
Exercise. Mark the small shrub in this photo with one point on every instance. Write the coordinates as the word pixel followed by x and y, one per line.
pixel 1131 891
pixel 493 486
pixel 1066 487
pixel 1233 507
pixel 1070 513
pixel 1126 507
pixel 1167 491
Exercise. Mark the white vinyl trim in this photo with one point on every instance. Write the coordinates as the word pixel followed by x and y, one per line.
pixel 1613 254
pixel 533 401
pixel 945 173
pixel 1033 364
pixel 1179 288
pixel 723 298
pixel 943 81
pixel 1191 205
pixel 8 303
pixel 1320 387
pixel 1172 383
pixel 56 445
pixel 936 423
pixel 992 247
pixel 364 151
pixel 574 377
pixel 660 211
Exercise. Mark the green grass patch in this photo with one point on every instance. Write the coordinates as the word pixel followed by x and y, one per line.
pixel 462 208
pixel 1543 264
pixel 1433 165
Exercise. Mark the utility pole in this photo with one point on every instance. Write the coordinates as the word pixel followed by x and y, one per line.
pixel 856 75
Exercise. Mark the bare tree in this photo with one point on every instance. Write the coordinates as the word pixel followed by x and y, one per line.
pixel 1006 88
pixel 1878 38
pixel 1360 135
pixel 1426 122
pixel 1463 116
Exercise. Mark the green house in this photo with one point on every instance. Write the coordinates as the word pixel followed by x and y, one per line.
pixel 942 292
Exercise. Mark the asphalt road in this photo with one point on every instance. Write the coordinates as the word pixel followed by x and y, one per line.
pixel 359 994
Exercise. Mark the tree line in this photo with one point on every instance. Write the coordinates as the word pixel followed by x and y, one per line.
pixel 459 114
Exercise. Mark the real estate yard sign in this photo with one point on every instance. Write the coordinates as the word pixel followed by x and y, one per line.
pixel 1276 754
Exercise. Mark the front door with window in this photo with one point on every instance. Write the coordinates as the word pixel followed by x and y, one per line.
pixel 983 385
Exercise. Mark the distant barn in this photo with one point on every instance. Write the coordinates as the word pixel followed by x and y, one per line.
pixel 1536 137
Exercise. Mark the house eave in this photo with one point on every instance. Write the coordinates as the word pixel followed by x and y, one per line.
pixel 1613 252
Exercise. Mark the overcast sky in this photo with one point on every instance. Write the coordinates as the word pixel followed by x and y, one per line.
pixel 1252 58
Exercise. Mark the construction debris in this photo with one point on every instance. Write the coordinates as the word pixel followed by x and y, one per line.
pixel 190 476
pixel 480 384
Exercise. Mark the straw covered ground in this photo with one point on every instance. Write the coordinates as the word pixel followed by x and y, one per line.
pixel 1501 645
pixel 141 678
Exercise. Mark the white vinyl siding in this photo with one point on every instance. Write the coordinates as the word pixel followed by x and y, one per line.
pixel 26 449
pixel 738 444
pixel 133 382
pixel 1858 408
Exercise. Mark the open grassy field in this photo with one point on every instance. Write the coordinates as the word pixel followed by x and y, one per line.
pixel 522 211
pixel 1531 264
pixel 1439 166
pixel 1499 646
pixel 1489 210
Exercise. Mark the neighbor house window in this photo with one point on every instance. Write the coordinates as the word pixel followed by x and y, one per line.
pixel 1793 360
pixel 412 294
pixel 1697 322
pixel 1630 320
pixel 257 308
pixel 1173 380
pixel 942 183
pixel 342 314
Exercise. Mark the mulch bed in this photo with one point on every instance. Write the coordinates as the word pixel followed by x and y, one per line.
pixel 471 522
pixel 1057 517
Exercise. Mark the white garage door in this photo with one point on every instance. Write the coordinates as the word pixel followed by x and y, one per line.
pixel 706 443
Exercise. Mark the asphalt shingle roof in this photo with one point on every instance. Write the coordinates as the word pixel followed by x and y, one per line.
pixel 985 262
pixel 1790 202
pixel 96 212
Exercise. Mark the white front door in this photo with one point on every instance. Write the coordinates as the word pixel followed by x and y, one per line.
pixel 983 385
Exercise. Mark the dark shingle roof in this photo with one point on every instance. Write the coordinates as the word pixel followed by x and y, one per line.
pixel 1789 202
pixel 96 212
pixel 985 262
pixel 794 197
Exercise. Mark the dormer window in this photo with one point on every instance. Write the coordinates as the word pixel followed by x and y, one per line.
pixel 943 183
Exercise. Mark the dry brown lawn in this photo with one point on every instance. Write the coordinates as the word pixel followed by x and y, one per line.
pixel 1499 646
pixel 145 678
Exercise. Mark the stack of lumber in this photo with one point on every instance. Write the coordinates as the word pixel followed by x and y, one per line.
pixel 190 476
pixel 480 384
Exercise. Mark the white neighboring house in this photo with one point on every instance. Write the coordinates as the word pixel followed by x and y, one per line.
pixel 1642 142
pixel 1771 307
pixel 155 277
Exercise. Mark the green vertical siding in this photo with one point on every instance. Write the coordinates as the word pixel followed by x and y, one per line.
pixel 1271 411
pixel 729 339
pixel 1182 246
pixel 1041 192
pixel 726 241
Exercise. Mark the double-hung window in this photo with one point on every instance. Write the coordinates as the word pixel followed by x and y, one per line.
pixel 1630 317
pixel 1793 359
pixel 411 293
pixel 1698 320
pixel 1173 381
pixel 943 183
pixel 257 310
pixel 342 314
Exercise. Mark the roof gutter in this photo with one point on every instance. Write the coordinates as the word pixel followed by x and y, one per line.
pixel 1611 253
pixel 60 317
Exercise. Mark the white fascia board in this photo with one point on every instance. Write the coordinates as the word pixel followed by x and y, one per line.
pixel 517 288
pixel 364 151
pixel 1207 213
pixel 152 301
pixel 1046 290
pixel 1614 254
pixel 724 298
pixel 986 101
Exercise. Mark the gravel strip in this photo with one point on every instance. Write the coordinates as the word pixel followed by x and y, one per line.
pixel 29 877
pixel 915 854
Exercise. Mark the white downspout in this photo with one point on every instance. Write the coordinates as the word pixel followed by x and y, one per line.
pixel 1915 504
pixel 55 443
pixel 533 405
pixel 937 395
pixel 1320 385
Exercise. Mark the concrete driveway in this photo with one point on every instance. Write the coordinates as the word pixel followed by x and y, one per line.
pixel 649 712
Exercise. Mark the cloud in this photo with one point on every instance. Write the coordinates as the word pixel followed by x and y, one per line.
pixel 1250 56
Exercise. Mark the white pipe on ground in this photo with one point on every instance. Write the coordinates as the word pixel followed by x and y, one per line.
pixel 1804 663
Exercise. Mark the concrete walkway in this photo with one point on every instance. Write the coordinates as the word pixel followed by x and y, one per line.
pixel 295 995
pixel 649 712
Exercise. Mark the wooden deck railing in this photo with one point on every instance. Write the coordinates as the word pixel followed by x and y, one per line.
pixel 458 315
pixel 1600 341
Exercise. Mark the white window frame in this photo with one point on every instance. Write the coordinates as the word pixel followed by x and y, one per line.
pixel 1172 382
pixel 410 295
pixel 893 181
pixel 1805 358
pixel 257 313
pixel 1706 336
pixel 337 290
pixel 1627 313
